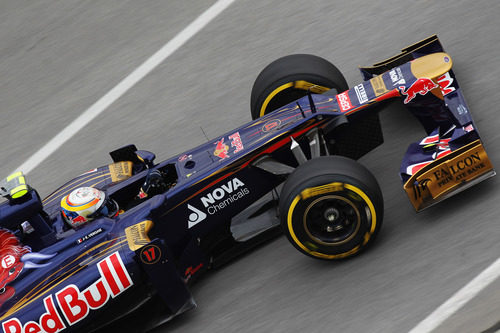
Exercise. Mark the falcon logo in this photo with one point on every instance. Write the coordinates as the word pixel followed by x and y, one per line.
pixel 195 217
pixel 420 187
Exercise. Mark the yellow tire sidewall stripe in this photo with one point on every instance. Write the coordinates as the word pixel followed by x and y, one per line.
pixel 340 255
pixel 271 96
pixel 300 84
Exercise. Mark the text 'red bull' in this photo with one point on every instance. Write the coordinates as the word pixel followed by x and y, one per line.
pixel 422 86
pixel 74 304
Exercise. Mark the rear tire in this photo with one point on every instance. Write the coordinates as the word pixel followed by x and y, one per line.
pixel 290 78
pixel 331 208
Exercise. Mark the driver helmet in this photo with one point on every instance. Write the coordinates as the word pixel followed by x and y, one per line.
pixel 84 204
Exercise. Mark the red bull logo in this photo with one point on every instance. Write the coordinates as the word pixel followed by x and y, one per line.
pixel 75 304
pixel 422 86
pixel 236 142
pixel 221 150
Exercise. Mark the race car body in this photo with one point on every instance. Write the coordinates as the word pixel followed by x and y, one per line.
pixel 293 166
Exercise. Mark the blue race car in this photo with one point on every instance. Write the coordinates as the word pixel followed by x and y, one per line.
pixel 136 233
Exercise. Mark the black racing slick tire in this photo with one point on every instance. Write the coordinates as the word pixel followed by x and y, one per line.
pixel 331 207
pixel 290 78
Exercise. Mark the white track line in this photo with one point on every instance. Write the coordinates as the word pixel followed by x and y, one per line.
pixel 459 299
pixel 122 87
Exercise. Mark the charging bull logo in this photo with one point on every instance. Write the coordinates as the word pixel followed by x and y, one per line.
pixel 422 86
pixel 221 149
pixel 14 257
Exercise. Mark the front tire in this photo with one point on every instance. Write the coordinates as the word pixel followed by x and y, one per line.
pixel 331 208
pixel 290 78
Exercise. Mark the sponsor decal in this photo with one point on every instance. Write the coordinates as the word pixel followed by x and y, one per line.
pixel 50 321
pixel 74 304
pixel 445 82
pixel 8 261
pixel 322 189
pixel 185 157
pixel 90 235
pixel 271 125
pixel 397 76
pixel 195 217
pixel 218 199
pixel 344 101
pixel 458 169
pixel 420 187
pixel 378 85
pixel 236 142
pixel 443 176
pixel 150 254
pixel 469 128
pixel 224 190
pixel 422 86
pixel 221 150
pixel 137 234
pixel 361 93
pixel 120 171
pixel 190 270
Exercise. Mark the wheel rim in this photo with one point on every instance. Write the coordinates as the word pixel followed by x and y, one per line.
pixel 331 220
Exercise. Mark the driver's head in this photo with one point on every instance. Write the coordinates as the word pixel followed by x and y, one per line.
pixel 84 204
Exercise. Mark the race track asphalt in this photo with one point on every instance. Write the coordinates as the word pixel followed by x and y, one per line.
pixel 58 57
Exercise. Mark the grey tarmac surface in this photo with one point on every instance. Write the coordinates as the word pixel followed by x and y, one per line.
pixel 57 58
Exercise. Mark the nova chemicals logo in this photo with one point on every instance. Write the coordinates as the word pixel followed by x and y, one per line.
pixel 217 199
pixel 195 217
pixel 225 195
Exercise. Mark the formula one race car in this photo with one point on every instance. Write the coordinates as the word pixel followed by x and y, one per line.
pixel 293 165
